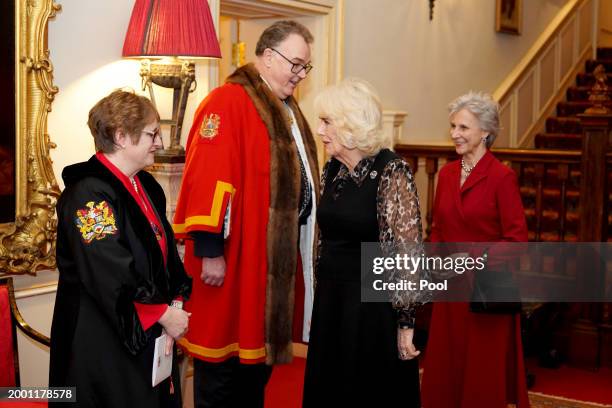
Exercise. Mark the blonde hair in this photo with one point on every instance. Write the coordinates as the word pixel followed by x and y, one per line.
pixel 355 110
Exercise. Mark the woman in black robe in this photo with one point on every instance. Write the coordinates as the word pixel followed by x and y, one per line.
pixel 121 281
pixel 361 354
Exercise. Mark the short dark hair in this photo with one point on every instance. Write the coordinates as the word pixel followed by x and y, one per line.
pixel 119 110
pixel 278 32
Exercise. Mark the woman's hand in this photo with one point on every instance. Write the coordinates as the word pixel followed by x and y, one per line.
pixel 175 322
pixel 213 271
pixel 406 349
pixel 169 344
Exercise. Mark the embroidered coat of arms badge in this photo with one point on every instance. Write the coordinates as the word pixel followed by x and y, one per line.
pixel 210 126
pixel 95 221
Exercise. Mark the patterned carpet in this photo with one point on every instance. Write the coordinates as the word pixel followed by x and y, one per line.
pixel 539 400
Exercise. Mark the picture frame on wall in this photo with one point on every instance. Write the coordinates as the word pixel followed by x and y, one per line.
pixel 7 114
pixel 509 16
pixel 28 188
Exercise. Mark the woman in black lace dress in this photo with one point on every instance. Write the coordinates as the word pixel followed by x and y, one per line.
pixel 360 354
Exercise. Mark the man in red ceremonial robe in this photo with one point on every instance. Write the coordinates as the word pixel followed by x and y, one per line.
pixel 247 206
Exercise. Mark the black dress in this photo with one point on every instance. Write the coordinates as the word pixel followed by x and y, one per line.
pixel 352 355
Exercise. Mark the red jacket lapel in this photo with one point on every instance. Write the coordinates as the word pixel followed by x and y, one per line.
pixel 480 172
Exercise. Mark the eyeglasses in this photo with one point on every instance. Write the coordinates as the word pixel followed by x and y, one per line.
pixel 153 135
pixel 296 68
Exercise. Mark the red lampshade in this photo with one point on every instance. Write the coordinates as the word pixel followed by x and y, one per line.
pixel 161 28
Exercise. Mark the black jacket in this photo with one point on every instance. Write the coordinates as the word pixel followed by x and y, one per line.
pixel 108 257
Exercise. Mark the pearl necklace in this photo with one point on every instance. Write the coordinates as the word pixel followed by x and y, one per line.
pixel 144 203
pixel 468 169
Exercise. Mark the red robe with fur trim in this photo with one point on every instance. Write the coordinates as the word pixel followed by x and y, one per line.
pixel 242 175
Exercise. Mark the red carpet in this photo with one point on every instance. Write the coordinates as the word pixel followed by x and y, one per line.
pixel 573 383
pixel 285 387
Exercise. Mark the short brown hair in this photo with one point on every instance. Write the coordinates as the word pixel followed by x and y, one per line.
pixel 278 32
pixel 120 110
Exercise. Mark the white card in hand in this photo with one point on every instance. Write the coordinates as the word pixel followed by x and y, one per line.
pixel 162 364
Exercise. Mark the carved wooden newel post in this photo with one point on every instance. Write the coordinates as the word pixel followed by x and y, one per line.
pixel 585 340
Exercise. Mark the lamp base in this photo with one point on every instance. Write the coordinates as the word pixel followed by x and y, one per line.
pixel 170 155
pixel 177 75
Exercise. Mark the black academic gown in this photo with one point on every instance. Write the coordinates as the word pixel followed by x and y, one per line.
pixel 108 258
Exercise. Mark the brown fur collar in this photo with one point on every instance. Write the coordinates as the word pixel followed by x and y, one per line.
pixel 282 235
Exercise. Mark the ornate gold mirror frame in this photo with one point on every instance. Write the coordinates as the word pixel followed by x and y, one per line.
pixel 28 243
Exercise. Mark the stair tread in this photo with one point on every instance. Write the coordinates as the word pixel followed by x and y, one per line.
pixel 564 118
pixel 565 135
pixel 592 63
pixel 582 88
pixel 590 74
pixel 560 143
pixel 582 103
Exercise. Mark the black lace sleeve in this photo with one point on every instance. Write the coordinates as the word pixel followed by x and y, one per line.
pixel 399 221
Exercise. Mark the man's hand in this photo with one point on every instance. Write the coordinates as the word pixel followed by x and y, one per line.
pixel 213 271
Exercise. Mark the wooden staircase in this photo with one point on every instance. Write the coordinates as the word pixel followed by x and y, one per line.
pixel 564 132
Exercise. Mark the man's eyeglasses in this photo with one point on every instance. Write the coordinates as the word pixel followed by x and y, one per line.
pixel 295 68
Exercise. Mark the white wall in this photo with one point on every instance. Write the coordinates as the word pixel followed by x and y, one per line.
pixel 86 40
pixel 605 23
pixel 419 66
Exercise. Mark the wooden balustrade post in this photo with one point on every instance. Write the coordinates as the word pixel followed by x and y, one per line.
pixel 413 162
pixel 539 173
pixel 595 133
pixel 584 342
pixel 431 168
pixel 606 335
pixel 563 175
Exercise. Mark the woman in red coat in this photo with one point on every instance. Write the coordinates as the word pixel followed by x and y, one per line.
pixel 475 360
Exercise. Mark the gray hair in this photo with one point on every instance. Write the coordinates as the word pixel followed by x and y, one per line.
pixel 484 107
